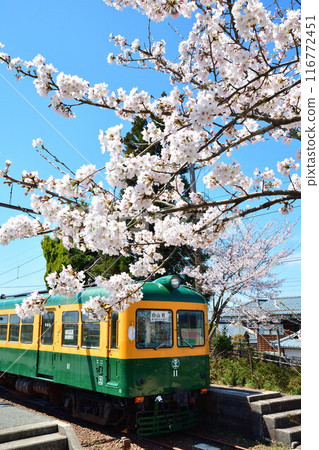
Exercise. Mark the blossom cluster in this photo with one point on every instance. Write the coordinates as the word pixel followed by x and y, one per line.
pixel 242 264
pixel 20 227
pixel 157 10
pixel 96 307
pixel 31 305
pixel 68 282
pixel 122 291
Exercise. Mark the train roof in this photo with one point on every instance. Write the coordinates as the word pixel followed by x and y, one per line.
pixel 152 290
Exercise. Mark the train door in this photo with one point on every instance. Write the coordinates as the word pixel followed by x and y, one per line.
pixel 46 354
pixel 112 354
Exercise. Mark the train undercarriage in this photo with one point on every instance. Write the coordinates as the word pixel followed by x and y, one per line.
pixel 150 415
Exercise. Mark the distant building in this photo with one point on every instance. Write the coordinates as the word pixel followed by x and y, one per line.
pixel 290 346
pixel 284 320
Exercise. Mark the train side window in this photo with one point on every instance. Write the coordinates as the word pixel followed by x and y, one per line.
pixel 27 330
pixel 3 327
pixel 114 329
pixel 90 332
pixel 190 328
pixel 70 328
pixel 154 328
pixel 47 328
pixel 14 328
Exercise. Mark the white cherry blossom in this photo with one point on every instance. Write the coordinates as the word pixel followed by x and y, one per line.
pixel 31 305
pixel 235 82
pixel 67 283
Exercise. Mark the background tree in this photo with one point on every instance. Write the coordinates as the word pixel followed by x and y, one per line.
pixel 221 345
pixel 92 263
pixel 242 264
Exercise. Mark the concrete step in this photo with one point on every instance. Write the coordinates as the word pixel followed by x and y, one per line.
pixel 263 396
pixel 287 422
pixel 27 431
pixel 273 405
pixel 289 435
pixel 284 419
pixel 52 441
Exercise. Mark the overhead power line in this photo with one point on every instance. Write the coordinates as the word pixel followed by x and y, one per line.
pixel 20 265
pixel 291 260
pixel 23 276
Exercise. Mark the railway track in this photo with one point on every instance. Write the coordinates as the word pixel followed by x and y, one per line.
pixel 217 441
pixel 198 439
pixel 103 435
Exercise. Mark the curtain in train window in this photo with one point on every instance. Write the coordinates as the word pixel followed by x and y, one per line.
pixel 190 328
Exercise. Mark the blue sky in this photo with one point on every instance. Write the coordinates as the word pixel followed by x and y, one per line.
pixel 74 36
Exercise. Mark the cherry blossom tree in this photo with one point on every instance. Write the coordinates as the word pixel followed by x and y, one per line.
pixel 242 264
pixel 235 82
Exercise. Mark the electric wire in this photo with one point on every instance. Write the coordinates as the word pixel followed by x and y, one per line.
pixel 23 276
pixel 20 265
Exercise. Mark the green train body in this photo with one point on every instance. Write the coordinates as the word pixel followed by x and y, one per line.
pixel 142 368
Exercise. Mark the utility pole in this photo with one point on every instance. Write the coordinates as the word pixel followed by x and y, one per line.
pixel 279 346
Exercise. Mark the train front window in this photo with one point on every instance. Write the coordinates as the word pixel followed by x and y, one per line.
pixel 154 328
pixel 190 328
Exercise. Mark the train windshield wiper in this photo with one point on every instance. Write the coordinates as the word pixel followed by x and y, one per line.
pixel 162 344
pixel 187 343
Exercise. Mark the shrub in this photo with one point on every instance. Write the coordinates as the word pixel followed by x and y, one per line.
pixel 266 375
pixel 239 341
pixel 221 345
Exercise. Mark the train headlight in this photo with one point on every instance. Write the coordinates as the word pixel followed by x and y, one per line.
pixel 170 281
pixel 175 281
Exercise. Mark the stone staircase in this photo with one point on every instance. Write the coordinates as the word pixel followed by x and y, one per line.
pixel 280 416
pixel 39 436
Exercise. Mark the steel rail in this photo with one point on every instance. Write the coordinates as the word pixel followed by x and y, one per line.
pixel 216 441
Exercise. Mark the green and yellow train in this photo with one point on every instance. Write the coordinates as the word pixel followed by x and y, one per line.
pixel 144 368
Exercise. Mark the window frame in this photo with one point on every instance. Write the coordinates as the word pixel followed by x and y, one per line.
pixel 74 326
pixel 177 328
pixel 86 323
pixel 43 332
pixel 4 324
pixel 13 325
pixel 26 323
pixel 171 329
pixel 114 331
